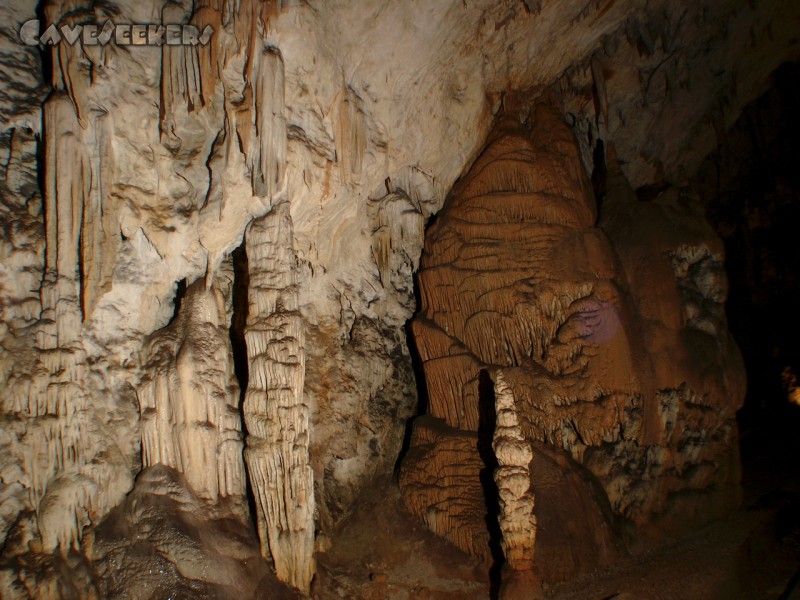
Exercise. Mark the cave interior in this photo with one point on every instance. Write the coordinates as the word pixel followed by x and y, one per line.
pixel 390 299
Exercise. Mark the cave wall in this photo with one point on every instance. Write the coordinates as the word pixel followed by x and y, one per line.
pixel 748 187
pixel 129 170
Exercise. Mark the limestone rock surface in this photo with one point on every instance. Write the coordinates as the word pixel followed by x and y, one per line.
pixel 189 397
pixel 315 140
pixel 610 344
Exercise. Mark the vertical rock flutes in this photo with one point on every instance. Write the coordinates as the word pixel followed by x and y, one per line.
pixel 276 417
pixel 518 279
pixel 188 398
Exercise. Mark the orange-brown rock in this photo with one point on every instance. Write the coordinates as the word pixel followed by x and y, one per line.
pixel 608 358
pixel 445 481
pixel 515 274
pixel 438 479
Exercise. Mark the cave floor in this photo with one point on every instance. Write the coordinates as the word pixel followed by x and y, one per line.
pixel 383 552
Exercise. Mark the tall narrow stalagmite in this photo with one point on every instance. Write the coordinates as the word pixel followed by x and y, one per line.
pixel 277 419
pixel 513 478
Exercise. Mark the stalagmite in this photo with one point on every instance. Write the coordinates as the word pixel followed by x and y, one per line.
pixel 189 398
pixel 363 130
pixel 440 479
pixel 276 416
pixel 513 478
pixel 516 276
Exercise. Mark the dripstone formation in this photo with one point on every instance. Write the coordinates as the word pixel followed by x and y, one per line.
pixel 219 329
pixel 539 326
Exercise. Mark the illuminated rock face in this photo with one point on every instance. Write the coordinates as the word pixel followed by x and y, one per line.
pixel 189 398
pixel 275 411
pixel 340 128
pixel 517 280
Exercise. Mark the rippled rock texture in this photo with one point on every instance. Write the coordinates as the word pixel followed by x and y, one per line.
pixel 608 343
pixel 208 258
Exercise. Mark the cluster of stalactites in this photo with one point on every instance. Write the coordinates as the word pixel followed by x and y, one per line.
pixel 83 241
pixel 254 98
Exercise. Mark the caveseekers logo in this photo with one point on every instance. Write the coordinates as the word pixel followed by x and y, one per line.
pixel 122 35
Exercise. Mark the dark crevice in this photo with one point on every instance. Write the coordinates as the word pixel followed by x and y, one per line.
pixel 599 173
pixel 180 293
pixel 82 275
pixel 648 193
pixel 422 402
pixel 751 188
pixel 419 379
pixel 45 52
pixel 241 309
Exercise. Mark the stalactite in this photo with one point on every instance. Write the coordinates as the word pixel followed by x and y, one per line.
pixel 63 207
pixel 351 138
pixel 397 224
pixel 267 156
pixel 250 21
pixel 72 199
pixel 55 393
pixel 276 416
pixel 61 441
pixel 68 62
pixel 181 85
pixel 100 239
pixel 208 13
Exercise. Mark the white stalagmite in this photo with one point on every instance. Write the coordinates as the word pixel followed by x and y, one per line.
pixel 276 416
pixel 189 398
pixel 513 478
